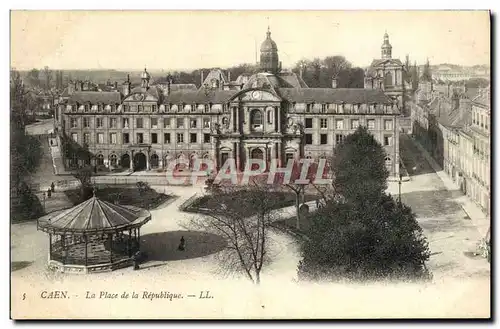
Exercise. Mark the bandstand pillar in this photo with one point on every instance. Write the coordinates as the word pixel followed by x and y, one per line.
pixel 86 255
pixel 50 246
pixel 138 239
pixel 110 247
pixel 129 251
pixel 63 244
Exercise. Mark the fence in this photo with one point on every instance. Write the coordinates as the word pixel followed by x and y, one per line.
pixel 130 180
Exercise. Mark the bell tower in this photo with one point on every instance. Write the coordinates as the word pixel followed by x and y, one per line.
pixel 269 61
pixel 386 48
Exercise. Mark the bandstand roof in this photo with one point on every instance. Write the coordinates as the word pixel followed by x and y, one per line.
pixel 94 216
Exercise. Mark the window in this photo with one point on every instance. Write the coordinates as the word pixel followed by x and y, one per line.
pixel 309 122
pixel 323 123
pixel 86 108
pixel 125 123
pixel 166 123
pixel 387 140
pixel 100 160
pixel 99 122
pixel 339 124
pixel 192 138
pixel 154 138
pixel 74 123
pixel 140 138
pixel 113 108
pixel 371 123
pixel 180 122
pixel 74 137
pixel 154 123
pixel 166 138
pixel 339 138
pixel 388 161
pixel 100 138
pixel 324 139
pixel 125 108
pixel 112 138
pixel 256 120
pixel 206 138
pixel 354 124
pixel 388 124
pixel 288 157
pixel 86 122
pixel 308 108
pixel 309 139
pixel 139 123
pixel 355 108
pixel 154 108
pixel 126 138
pixel 112 123
pixel 86 138
pixel 206 122
pixel 270 116
pixel 323 108
pixel 180 138
pixel 193 123
pixel 113 159
pixel 140 108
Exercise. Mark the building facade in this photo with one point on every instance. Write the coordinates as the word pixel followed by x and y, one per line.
pixel 270 115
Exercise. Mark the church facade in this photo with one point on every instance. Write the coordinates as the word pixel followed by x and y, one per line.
pixel 268 115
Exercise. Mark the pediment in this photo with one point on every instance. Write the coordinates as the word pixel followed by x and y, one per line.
pixel 141 97
pixel 259 95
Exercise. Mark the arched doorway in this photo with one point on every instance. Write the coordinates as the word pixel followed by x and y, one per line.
pixel 256 154
pixel 125 161
pixel 155 161
pixel 140 161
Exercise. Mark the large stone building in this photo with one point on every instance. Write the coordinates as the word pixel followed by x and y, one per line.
pixel 269 115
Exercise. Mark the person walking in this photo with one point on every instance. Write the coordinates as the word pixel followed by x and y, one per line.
pixel 182 245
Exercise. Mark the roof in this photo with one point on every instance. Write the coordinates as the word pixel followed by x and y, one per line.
pixel 94 216
pixel 94 97
pixel 182 86
pixel 293 79
pixel 201 96
pixel 386 61
pixel 286 80
pixel 152 90
pixel 330 95
pixel 483 99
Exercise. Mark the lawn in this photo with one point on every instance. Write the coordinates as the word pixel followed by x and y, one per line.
pixel 207 203
pixel 125 194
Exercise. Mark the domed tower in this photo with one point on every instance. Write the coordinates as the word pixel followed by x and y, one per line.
pixel 386 47
pixel 145 77
pixel 269 61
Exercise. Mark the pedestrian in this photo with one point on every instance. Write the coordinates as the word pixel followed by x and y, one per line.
pixel 182 245
pixel 317 203
pixel 49 192
pixel 52 187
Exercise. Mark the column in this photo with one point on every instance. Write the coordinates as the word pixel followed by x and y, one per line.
pixel 86 255
pixel 129 249
pixel 132 160
pixel 110 237
pixel 238 160
pixel 50 246
pixel 148 155
pixel 278 120
pixel 63 249
pixel 138 239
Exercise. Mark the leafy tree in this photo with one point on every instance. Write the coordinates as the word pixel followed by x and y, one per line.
pixel 379 240
pixel 34 78
pixel 48 77
pixel 359 168
pixel 363 234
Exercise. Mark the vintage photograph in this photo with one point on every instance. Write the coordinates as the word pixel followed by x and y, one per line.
pixel 250 164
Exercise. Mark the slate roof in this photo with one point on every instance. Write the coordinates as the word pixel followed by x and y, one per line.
pixel 338 95
pixel 293 79
pixel 182 86
pixel 200 96
pixel 482 99
pixel 94 215
pixel 94 97
pixel 153 90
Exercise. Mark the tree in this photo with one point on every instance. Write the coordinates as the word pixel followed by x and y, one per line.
pixel 48 77
pixel 427 74
pixel 379 240
pixel 247 237
pixel 316 65
pixel 359 168
pixel 335 64
pixel 414 77
pixel 34 78
pixel 84 176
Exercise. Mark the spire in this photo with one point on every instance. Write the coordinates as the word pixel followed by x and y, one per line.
pixel 268 29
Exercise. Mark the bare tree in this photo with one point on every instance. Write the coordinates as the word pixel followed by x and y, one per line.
pixel 246 235
pixel 335 65
pixel 48 77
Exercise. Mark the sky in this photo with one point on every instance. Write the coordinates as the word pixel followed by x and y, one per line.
pixel 172 40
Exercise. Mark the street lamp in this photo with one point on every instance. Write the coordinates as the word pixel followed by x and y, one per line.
pixel 400 181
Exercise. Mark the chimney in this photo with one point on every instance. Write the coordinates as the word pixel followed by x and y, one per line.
pixel 126 87
pixel 116 85
pixel 229 76
pixel 334 83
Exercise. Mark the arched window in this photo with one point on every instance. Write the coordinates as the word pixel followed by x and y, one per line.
pixel 256 120
pixel 113 159
pixel 270 115
pixel 388 161
pixel 388 79
pixel 100 160
pixel 154 161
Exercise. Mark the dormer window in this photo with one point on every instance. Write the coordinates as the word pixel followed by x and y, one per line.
pixel 206 108
pixel 86 108
pixel 323 108
pixel 140 108
pixel 308 108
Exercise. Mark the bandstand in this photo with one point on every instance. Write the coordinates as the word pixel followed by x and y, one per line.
pixel 93 236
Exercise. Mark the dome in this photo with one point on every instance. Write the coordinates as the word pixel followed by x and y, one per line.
pixel 268 44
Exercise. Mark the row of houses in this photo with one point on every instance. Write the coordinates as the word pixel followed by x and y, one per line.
pixel 453 124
